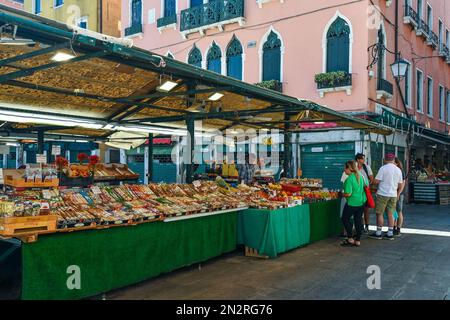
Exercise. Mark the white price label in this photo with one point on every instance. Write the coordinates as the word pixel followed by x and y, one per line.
pixel 46 194
pixel 197 183
pixel 56 150
pixel 96 190
pixel 41 158
pixel 45 206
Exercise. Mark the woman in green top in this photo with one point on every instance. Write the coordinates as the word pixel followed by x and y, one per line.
pixel 356 199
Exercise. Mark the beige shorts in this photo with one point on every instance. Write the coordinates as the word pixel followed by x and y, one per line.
pixel 383 204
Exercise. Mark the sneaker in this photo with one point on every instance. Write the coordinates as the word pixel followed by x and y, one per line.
pixel 374 235
pixel 387 237
pixel 397 233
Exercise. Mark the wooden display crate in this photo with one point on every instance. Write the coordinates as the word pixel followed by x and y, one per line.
pixel 14 178
pixel 26 226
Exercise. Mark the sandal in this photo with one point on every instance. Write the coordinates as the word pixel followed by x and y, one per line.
pixel 357 245
pixel 347 243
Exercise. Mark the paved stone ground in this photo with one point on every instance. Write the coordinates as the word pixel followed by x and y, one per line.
pixel 412 267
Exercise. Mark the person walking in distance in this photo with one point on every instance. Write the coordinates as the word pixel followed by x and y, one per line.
pixel 389 181
pixel 356 198
pixel 367 173
pixel 400 199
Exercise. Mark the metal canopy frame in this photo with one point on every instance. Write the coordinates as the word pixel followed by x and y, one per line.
pixel 57 35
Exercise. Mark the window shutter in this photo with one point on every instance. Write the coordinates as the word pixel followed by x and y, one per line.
pixel 338 46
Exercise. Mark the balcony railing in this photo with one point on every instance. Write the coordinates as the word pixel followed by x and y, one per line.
pixel 211 13
pixel 166 21
pixel 384 89
pixel 272 85
pixel 433 39
pixel 443 50
pixel 411 16
pixel 423 29
pixel 135 29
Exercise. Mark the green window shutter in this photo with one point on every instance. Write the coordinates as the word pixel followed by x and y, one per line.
pixel 338 46
pixel 214 62
pixel 234 59
pixel 195 57
pixel 272 58
pixel 136 12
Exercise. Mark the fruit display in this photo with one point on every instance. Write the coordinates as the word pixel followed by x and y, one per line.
pixel 127 204
pixel 304 182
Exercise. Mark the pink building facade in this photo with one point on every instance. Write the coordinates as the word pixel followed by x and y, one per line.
pixel 18 4
pixel 293 41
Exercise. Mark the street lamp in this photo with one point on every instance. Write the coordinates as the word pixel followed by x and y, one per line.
pixel 399 68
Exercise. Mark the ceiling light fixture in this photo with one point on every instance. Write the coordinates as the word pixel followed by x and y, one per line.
pixel 62 56
pixel 319 122
pixel 216 96
pixel 167 86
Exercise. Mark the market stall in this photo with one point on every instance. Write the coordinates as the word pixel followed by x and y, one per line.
pixel 430 187
pixel 68 83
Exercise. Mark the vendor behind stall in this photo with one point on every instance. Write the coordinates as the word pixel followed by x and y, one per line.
pixel 247 170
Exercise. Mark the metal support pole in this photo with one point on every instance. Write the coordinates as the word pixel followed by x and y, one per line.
pixel 40 142
pixel 190 123
pixel 150 157
pixel 287 148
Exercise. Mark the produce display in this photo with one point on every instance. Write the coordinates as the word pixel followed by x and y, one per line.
pixel 127 204
pixel 304 182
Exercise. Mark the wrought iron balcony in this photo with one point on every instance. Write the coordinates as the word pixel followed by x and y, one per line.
pixel 443 51
pixel 135 29
pixel 384 89
pixel 411 16
pixel 423 29
pixel 433 39
pixel 272 85
pixel 211 13
pixel 166 21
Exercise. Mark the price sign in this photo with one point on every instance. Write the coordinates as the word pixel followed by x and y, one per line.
pixel 96 190
pixel 56 150
pixel 41 158
pixel 197 183
pixel 46 194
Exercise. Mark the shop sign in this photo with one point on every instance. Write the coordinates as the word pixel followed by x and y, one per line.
pixel 41 158
pixel 317 149
pixel 56 150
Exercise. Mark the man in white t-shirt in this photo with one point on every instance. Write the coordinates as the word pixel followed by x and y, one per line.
pixel 389 180
pixel 367 173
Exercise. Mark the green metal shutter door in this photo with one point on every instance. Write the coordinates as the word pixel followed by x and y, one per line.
pixel 401 156
pixel 327 165
pixel 376 155
pixel 389 149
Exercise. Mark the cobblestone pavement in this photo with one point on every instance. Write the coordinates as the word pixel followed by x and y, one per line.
pixel 414 266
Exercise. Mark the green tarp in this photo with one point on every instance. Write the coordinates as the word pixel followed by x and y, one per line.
pixel 325 219
pixel 117 257
pixel 274 231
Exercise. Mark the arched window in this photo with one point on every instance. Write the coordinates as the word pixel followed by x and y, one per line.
pixel 214 59
pixel 234 59
pixel 338 46
pixel 195 57
pixel 272 58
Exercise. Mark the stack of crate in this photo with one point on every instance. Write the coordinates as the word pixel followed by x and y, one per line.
pixel 444 194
